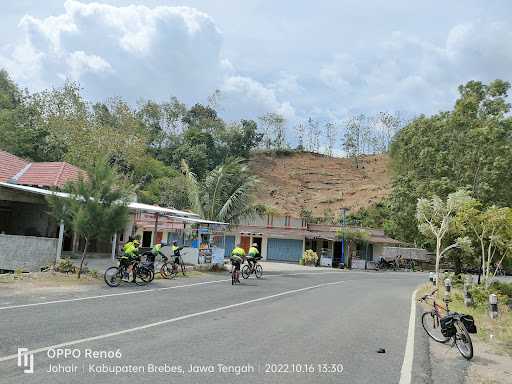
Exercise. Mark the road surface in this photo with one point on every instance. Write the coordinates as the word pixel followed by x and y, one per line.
pixel 285 328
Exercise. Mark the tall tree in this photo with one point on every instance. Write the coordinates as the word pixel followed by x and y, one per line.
pixel 330 136
pixel 96 208
pixel 353 138
pixel 468 147
pixel 274 134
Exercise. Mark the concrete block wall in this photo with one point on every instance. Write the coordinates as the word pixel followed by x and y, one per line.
pixel 26 252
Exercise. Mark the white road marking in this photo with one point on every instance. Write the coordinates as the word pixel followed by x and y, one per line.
pixel 112 294
pixel 168 321
pixel 406 372
pixel 143 291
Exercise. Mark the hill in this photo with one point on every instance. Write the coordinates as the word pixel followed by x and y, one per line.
pixel 318 182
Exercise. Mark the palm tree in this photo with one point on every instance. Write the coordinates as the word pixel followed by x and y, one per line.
pixel 225 194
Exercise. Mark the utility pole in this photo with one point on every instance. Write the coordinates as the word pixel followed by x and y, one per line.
pixel 343 224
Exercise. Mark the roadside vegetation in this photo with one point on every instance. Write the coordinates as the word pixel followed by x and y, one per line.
pixel 497 333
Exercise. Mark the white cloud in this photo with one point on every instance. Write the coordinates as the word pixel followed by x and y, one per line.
pixel 79 63
pixel 138 51
pixel 411 74
pixel 245 94
pixel 135 52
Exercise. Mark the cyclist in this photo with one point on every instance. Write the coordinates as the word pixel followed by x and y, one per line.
pixel 130 255
pixel 253 256
pixel 237 258
pixel 176 251
pixel 156 250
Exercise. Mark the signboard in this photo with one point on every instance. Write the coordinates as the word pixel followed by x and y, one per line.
pixel 218 255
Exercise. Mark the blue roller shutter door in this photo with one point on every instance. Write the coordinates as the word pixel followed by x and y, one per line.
pixel 230 244
pixel 284 250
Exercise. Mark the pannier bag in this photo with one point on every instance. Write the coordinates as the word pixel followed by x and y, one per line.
pixel 469 323
pixel 448 326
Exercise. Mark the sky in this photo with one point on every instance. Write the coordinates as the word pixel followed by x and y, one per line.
pixel 328 59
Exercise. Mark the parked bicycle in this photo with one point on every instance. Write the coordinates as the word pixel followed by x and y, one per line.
pixel 140 274
pixel 453 326
pixel 382 264
pixel 257 269
pixel 170 268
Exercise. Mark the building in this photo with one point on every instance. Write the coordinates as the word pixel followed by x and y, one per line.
pixel 284 238
pixel 31 239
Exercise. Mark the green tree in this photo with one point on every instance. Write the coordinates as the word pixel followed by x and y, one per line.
pixel 274 130
pixel 467 147
pixel 436 219
pixel 490 229
pixel 97 205
pixel 225 193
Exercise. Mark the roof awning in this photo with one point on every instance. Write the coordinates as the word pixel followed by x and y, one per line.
pixel 188 217
pixel 162 210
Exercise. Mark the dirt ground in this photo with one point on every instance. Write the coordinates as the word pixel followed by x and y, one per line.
pixel 44 283
pixel 318 182
pixel 489 366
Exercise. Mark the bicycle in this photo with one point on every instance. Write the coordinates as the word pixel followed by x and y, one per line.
pixel 169 269
pixel 383 264
pixel 235 274
pixel 257 269
pixel 113 276
pixel 454 326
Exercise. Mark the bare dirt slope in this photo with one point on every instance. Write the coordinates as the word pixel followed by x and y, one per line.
pixel 318 182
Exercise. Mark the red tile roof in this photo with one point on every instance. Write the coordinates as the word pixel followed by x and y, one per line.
pixel 10 165
pixel 50 174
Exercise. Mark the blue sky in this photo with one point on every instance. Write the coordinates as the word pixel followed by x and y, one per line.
pixel 326 59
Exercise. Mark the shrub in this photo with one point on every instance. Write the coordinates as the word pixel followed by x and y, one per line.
pixel 481 294
pixel 65 266
pixel 93 273
pixel 504 289
pixel 310 257
pixel 301 260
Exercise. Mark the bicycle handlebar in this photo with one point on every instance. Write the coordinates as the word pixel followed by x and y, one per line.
pixel 423 298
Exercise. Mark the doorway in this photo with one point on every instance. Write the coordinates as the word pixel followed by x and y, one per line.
pixel 146 239
pixel 257 241
pixel 336 254
pixel 245 242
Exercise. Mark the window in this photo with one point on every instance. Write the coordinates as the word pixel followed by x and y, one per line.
pixel 287 221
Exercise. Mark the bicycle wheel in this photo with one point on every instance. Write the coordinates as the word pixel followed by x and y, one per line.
pixel 168 271
pixel 431 325
pixel 233 277
pixel 258 271
pixel 246 271
pixel 113 276
pixel 463 340
pixel 143 276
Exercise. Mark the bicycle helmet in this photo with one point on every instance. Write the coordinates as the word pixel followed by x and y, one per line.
pixel 136 242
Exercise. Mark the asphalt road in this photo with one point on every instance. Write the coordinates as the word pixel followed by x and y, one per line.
pixel 284 328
